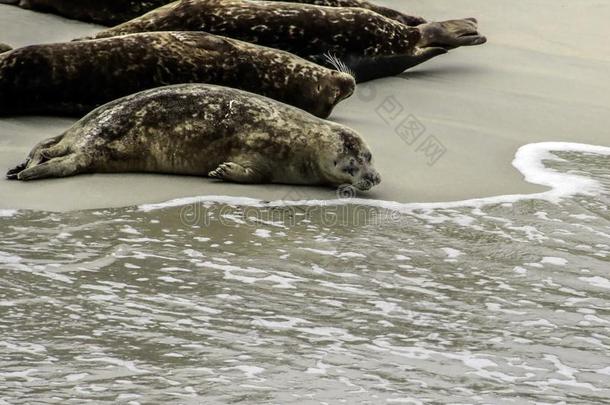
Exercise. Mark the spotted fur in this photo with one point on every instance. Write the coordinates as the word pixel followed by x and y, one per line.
pixel 303 29
pixel 75 77
pixel 112 12
pixel 198 129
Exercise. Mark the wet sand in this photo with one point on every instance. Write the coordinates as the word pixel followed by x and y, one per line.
pixel 541 77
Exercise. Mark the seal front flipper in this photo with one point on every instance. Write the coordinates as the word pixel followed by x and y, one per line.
pixel 231 171
pixel 369 68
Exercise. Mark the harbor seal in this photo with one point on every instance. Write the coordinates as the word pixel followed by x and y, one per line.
pixel 75 77
pixel 199 129
pixel 363 42
pixel 105 12
pixel 112 12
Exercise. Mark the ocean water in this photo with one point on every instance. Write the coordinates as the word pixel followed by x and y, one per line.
pixel 216 300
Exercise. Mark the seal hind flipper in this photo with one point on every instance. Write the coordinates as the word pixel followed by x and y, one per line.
pixel 47 159
pixel 451 34
pixel 5 48
pixel 364 68
pixel 46 150
pixel 12 173
pixel 231 171
pixel 57 167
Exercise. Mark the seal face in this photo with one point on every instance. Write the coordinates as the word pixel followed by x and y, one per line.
pixel 112 12
pixel 201 130
pixel 75 77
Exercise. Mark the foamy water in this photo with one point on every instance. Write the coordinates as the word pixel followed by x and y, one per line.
pixel 496 300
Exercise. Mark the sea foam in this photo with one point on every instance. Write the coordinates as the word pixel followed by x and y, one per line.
pixel 529 160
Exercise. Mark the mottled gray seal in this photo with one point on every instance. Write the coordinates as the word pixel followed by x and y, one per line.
pixel 75 77
pixel 199 129
pixel 369 44
pixel 112 12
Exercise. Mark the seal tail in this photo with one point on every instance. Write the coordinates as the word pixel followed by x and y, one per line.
pixel 364 68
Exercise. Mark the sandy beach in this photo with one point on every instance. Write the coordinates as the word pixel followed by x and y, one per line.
pixel 191 291
pixel 542 76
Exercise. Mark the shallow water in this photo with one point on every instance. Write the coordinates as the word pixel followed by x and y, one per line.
pixel 213 303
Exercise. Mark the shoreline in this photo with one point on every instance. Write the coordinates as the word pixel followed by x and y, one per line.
pixel 475 105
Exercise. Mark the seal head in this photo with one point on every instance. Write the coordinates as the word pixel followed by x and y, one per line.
pixel 349 161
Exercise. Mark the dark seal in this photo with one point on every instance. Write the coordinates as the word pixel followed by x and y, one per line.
pixel 206 130
pixel 105 12
pixel 75 77
pixel 112 12
pixel 368 44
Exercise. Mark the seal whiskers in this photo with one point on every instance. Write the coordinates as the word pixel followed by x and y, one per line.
pixel 338 64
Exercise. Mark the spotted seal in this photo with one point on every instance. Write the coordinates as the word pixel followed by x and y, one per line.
pixel 199 129
pixel 75 77
pixel 351 39
pixel 112 12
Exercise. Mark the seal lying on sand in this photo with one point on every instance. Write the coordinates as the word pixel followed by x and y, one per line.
pixel 199 129
pixel 369 44
pixel 75 77
pixel 105 12
pixel 112 12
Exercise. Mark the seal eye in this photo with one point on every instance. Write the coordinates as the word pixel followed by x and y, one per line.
pixel 368 157
pixel 335 163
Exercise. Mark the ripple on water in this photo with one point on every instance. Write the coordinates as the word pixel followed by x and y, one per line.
pixel 504 301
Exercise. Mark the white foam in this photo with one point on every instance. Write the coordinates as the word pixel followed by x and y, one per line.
pixel 76 377
pixel 529 160
pixel 597 281
pixel 452 253
pixel 7 213
pixel 262 233
pixel 557 261
pixel 250 371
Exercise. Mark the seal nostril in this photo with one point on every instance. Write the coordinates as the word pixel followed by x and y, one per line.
pixel 373 178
